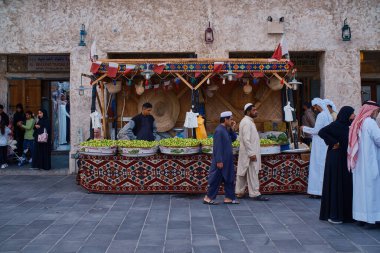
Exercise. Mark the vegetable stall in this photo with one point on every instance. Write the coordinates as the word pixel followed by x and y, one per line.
pixel 175 86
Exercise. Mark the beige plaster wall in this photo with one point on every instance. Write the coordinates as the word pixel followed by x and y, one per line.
pixel 43 26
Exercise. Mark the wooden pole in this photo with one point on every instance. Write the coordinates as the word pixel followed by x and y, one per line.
pixel 203 80
pixel 280 78
pixel 104 121
pixel 184 80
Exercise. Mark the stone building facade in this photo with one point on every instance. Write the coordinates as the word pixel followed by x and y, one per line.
pixel 52 27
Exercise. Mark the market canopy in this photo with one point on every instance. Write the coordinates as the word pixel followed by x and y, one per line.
pixel 129 68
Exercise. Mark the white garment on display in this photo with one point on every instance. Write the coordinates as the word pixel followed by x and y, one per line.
pixel 288 112
pixel 318 150
pixel 191 120
pixel 62 113
pixel 366 175
pixel 95 120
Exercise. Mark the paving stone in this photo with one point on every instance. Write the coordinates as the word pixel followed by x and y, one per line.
pixel 233 246
pixel 149 249
pixel 126 246
pixel 343 245
pixel 206 249
pixel 13 245
pixel 57 229
pixel 288 246
pixel 174 246
pixel 67 246
pixel 93 249
pixel 178 234
pixel 205 240
pixel 36 248
pixel 251 229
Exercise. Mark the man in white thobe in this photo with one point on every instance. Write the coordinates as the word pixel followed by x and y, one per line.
pixel 364 161
pixel 332 108
pixel 318 149
pixel 249 163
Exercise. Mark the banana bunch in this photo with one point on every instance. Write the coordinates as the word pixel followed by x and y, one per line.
pixel 136 144
pixel 179 142
pixel 99 143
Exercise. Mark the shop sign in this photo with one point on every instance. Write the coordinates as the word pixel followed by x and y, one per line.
pixel 46 63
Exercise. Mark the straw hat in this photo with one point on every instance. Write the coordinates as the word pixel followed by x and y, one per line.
pixel 165 108
pixel 274 83
pixel 114 88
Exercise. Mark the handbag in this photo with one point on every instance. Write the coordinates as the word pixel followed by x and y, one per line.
pixel 43 138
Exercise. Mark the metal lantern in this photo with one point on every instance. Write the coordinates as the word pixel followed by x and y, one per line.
pixel 81 90
pixel 346 31
pixel 209 34
pixel 294 83
pixel 148 73
pixel 82 34
pixel 229 75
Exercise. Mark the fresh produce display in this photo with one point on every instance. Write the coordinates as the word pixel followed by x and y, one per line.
pixel 281 139
pixel 267 142
pixel 179 142
pixel 99 143
pixel 136 144
pixel 235 144
pixel 207 142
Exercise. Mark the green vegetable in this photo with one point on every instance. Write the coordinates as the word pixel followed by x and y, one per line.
pixel 136 144
pixel 179 142
pixel 99 143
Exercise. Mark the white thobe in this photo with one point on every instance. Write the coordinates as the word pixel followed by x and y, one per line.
pixel 318 154
pixel 366 175
pixel 62 113
pixel 247 170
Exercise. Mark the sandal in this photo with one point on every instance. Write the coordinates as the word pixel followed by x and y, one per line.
pixel 211 202
pixel 260 198
pixel 233 202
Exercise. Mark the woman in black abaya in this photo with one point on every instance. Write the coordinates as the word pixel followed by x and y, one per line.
pixel 336 203
pixel 41 153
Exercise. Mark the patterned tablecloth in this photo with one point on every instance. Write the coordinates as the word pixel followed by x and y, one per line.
pixel 280 173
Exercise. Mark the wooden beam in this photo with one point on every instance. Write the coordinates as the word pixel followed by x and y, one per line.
pixel 184 80
pixel 104 121
pixel 228 105
pixel 99 103
pixel 280 78
pixel 99 79
pixel 182 92
pixel 203 80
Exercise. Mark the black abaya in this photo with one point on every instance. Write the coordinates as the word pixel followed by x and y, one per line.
pixel 336 202
pixel 18 131
pixel 41 154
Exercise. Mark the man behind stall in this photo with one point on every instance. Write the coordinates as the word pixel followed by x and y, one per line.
pixel 141 127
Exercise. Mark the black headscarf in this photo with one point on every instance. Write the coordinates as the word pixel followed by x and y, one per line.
pixel 18 116
pixel 43 123
pixel 344 115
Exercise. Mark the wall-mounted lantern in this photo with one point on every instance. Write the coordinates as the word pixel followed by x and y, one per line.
pixel 209 34
pixel 82 34
pixel 346 31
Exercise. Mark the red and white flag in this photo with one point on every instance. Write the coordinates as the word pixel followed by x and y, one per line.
pixel 129 68
pixel 281 49
pixel 95 67
pixel 112 69
pixel 258 74
pixel 218 66
pixel 158 68
pixel 239 75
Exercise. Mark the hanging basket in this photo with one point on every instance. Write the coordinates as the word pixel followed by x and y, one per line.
pixel 114 88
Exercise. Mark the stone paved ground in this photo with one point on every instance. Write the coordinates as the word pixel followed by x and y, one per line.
pixel 53 214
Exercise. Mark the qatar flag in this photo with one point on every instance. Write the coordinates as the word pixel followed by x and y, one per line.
pixel 158 68
pixel 218 66
pixel 129 68
pixel 112 69
pixel 95 67
pixel 281 49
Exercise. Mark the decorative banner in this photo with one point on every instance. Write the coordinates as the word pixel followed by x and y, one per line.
pixel 112 69
pixel 158 68
pixel 218 66
pixel 128 68
pixel 95 66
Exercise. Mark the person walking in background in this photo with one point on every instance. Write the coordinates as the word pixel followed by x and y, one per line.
pixel 364 162
pixel 336 203
pixel 318 150
pixel 222 165
pixel 308 119
pixel 249 163
pixel 4 135
pixel 41 154
pixel 18 132
pixel 28 136
pixel 332 108
pixel 4 118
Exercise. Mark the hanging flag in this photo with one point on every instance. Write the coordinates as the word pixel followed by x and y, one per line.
pixel 258 74
pixel 93 53
pixel 129 68
pixel 95 67
pixel 156 87
pixel 281 49
pixel 158 68
pixel 166 85
pixel 112 69
pixel 147 84
pixel 197 74
pixel 290 63
pixel 218 66
pixel 239 75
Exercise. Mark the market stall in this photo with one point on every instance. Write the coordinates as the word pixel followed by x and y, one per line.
pixel 175 86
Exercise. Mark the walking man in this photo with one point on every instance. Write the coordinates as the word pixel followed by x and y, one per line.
pixel 249 163
pixel 222 166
